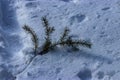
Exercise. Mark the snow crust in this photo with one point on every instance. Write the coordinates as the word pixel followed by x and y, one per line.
pixel 95 20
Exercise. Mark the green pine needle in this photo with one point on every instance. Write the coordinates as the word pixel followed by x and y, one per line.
pixel 33 36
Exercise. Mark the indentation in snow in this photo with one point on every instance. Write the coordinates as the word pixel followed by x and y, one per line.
pixel 31 4
pixel 100 75
pixel 58 70
pixel 77 18
pixel 106 8
pixel 5 75
pixel 85 74
pixel 74 1
pixel 8 16
pixel 66 0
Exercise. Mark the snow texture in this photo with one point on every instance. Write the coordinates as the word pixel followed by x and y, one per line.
pixel 95 20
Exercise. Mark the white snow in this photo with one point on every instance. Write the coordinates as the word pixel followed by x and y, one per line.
pixel 97 21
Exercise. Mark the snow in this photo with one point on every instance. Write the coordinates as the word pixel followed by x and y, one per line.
pixel 93 20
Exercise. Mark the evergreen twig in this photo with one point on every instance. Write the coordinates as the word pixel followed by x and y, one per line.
pixel 65 34
pixel 65 39
pixel 72 43
pixel 33 37
pixel 48 31
pixel 35 43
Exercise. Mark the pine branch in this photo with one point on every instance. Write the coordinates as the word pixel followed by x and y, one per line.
pixel 66 40
pixel 33 37
pixel 65 34
pixel 48 31
pixel 83 43
pixel 35 43
pixel 73 43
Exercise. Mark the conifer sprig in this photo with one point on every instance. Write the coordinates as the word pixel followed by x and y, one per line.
pixel 65 34
pixel 65 39
pixel 34 37
pixel 48 31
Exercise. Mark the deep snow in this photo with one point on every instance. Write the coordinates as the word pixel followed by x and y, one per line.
pixel 95 20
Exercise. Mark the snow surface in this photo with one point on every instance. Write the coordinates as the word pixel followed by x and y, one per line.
pixel 95 20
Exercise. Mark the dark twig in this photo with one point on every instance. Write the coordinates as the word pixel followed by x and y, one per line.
pixel 33 37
